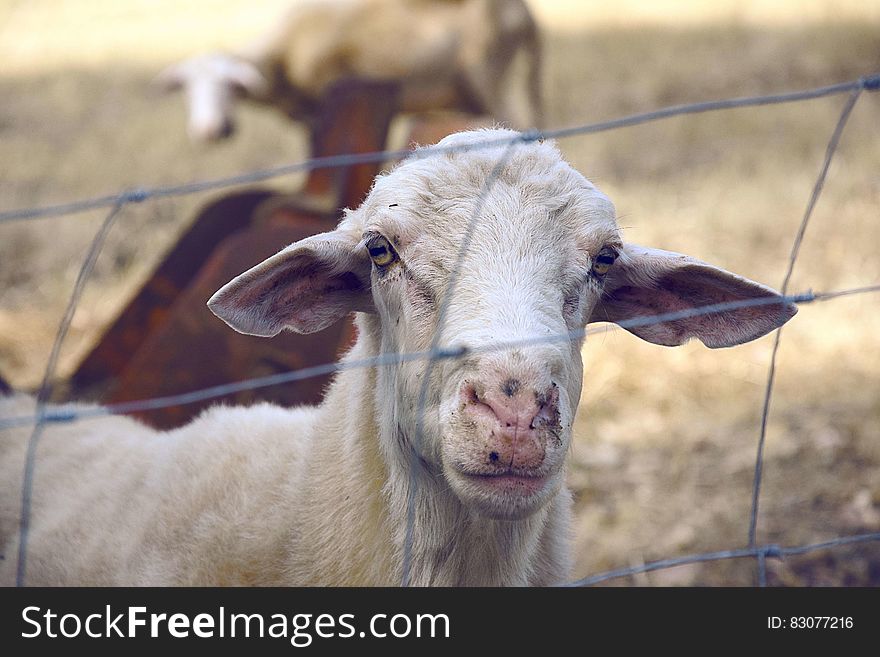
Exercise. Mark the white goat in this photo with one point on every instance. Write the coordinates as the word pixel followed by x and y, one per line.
pixel 445 54
pixel 318 495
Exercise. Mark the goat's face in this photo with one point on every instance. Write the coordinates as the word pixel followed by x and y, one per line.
pixel 211 83
pixel 497 422
pixel 444 252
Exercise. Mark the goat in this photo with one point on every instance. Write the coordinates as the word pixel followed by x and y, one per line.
pixel 444 54
pixel 319 495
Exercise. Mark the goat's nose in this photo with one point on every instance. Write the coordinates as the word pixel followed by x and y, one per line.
pixel 211 131
pixel 513 406
pixel 517 419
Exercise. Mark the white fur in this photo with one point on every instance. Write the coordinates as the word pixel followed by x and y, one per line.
pixel 318 496
pixel 444 53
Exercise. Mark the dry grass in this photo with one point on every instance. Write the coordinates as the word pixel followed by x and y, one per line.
pixel 666 437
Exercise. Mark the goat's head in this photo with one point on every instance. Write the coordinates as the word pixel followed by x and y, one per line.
pixel 543 258
pixel 212 82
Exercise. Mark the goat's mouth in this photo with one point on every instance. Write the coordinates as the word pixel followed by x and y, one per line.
pixel 504 494
pixel 509 483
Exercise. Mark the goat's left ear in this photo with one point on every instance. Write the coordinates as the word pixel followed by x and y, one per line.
pixel 304 288
pixel 644 282
pixel 170 79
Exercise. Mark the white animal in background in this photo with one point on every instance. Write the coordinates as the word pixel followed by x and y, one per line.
pixel 318 495
pixel 445 54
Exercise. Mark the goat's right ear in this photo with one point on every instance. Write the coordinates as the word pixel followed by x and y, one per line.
pixel 304 288
pixel 246 78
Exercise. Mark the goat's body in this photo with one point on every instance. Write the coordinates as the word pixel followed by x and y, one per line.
pixel 245 496
pixel 117 503
pixel 444 55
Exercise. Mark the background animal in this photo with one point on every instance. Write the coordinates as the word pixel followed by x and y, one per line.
pixel 444 54
pixel 319 495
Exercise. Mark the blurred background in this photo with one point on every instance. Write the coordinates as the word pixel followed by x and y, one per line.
pixel 666 439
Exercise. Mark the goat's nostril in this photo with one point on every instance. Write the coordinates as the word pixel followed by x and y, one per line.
pixel 493 456
pixel 543 399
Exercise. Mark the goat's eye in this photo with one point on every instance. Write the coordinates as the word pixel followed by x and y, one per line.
pixel 381 251
pixel 603 261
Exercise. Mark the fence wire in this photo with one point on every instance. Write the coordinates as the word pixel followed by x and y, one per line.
pixel 45 390
pixel 869 82
pixel 830 150
pixel 71 413
pixel 44 414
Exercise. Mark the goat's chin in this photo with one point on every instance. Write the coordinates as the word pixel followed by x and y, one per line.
pixel 504 497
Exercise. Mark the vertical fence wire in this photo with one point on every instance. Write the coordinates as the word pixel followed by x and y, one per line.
pixel 443 309
pixel 45 390
pixel 818 186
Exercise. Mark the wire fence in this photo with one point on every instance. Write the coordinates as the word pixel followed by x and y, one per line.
pixel 45 414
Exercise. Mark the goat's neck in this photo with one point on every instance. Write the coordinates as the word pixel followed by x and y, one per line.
pixel 450 545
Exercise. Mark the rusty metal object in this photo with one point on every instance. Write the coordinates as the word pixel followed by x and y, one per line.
pixel 194 350
pixel 166 341
pixel 431 129
pixel 150 307
pixel 355 117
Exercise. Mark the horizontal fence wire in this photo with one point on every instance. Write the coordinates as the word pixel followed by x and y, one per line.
pixel 870 82
pixel 44 415
pixel 758 552
pixel 69 413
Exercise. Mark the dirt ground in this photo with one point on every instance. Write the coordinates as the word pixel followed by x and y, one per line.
pixel 663 461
